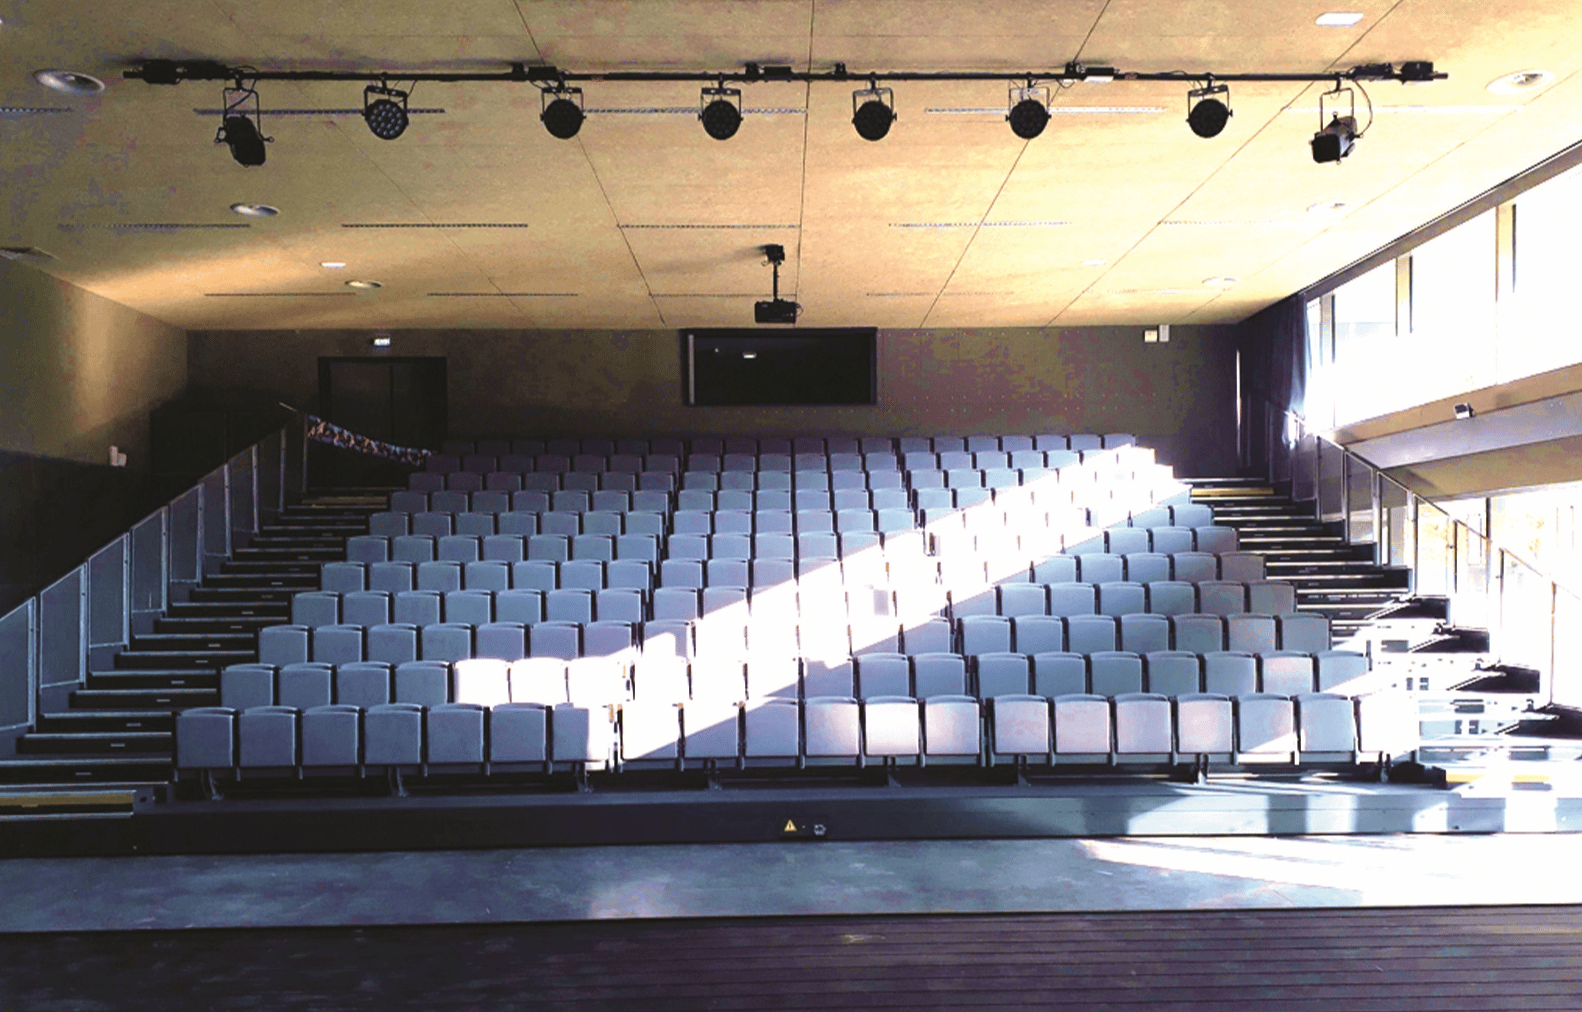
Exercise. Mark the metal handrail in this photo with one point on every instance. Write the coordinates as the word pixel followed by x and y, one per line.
pixel 1488 578
pixel 50 642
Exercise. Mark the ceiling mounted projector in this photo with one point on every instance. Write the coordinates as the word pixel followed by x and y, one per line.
pixel 776 310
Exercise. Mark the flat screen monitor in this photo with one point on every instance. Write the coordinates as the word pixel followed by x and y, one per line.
pixel 740 367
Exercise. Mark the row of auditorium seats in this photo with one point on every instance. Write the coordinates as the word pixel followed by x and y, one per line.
pixel 631 463
pixel 784 444
pixel 809 520
pixel 820 545
pixel 743 635
pixel 583 602
pixel 676 680
pixel 964 574
pixel 1309 729
pixel 1001 479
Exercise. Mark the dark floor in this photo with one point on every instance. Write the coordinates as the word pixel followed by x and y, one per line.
pixel 1355 960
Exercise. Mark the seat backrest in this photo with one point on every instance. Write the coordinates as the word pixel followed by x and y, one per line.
pixel 938 674
pixel 1253 633
pixel 1142 724
pixel 1114 672
pixel 1002 674
pixel 1059 673
pixel 1172 672
pixel 1086 634
pixel 883 674
pixel 1304 631
pixel 1198 634
pixel 1230 672
pixel 1171 597
pixel 1141 633
pixel 1222 597
pixel 1286 673
pixel 1205 724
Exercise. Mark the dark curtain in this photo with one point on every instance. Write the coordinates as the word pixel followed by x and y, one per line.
pixel 1274 355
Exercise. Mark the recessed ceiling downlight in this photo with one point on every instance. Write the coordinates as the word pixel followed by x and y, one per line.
pixel 332 263
pixel 255 210
pixel 69 81
pixel 1222 281
pixel 364 284
pixel 1337 19
pixel 1521 81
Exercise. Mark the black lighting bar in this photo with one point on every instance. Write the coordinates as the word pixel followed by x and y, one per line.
pixel 175 71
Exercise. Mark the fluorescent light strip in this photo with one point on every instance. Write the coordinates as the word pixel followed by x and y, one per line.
pixel 902 295
pixel 1150 291
pixel 317 112
pixel 503 295
pixel 278 295
pixel 1447 110
pixel 978 224
pixel 1230 223
pixel 151 227
pixel 695 226
pixel 1057 110
pixel 29 110
pixel 705 295
pixel 443 224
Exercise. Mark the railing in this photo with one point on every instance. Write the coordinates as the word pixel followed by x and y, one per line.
pixel 1532 621
pixel 49 643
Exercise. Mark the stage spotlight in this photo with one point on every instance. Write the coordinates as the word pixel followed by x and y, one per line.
pixel 562 115
pixel 873 110
pixel 1209 115
pixel 246 145
pixel 1336 140
pixel 386 117
pixel 720 111
pixel 1029 111
pixel 240 129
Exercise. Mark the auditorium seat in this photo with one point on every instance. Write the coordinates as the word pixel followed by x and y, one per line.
pixel 1172 672
pixel 395 643
pixel 772 735
pixel 393 736
pixel 337 644
pixel 1285 673
pixel 331 738
pixel 1019 729
pixel 1230 672
pixel 362 684
pixel 454 737
pixel 1343 672
pixel 1082 727
pixel 1205 725
pixel 1143 633
pixel 1114 672
pixel 1304 631
pixel 1059 673
pixel 280 645
pixel 1265 728
pixel 650 735
pixel 246 685
pixel 205 738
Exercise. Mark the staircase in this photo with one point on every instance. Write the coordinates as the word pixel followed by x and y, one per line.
pixel 118 729
pixel 1331 577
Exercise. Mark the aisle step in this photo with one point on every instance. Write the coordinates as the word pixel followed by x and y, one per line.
pixel 89 742
pixel 123 698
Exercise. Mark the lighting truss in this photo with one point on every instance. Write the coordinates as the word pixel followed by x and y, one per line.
pixel 174 72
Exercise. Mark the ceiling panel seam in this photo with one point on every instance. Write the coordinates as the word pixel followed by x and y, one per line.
pixel 593 170
pixel 978 228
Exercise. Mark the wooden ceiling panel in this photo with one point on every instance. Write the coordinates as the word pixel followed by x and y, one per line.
pixel 709 262
pixel 138 153
pixel 373 17
pixel 950 20
pixel 1010 52
pixel 657 19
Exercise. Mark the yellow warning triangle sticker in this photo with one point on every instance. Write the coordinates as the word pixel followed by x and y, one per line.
pixel 790 827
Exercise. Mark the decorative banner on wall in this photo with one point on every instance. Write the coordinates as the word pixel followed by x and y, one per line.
pixel 321 431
